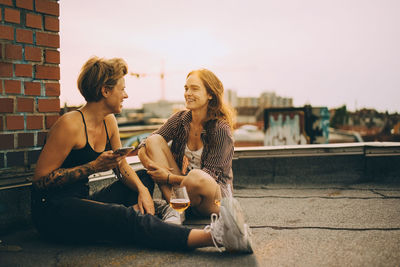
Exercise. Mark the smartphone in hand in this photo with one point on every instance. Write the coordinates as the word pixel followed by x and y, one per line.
pixel 124 151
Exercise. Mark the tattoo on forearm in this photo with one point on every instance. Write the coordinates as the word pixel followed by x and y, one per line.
pixel 60 177
pixel 125 175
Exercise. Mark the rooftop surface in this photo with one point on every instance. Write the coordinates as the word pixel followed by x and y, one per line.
pixel 306 225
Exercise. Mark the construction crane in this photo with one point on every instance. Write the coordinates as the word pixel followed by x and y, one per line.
pixel 161 74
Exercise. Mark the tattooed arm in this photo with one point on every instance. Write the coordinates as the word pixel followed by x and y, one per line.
pixel 65 135
pixel 60 177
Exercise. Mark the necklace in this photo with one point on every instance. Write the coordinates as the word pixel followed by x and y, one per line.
pixel 196 129
pixel 196 132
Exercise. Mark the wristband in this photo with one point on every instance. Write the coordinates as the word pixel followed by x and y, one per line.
pixel 168 178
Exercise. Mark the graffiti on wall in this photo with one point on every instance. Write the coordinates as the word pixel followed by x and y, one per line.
pixel 296 126
pixel 285 129
pixel 320 125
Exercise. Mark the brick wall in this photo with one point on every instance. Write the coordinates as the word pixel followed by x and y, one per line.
pixel 29 86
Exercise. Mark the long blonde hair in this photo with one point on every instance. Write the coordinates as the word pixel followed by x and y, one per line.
pixel 217 108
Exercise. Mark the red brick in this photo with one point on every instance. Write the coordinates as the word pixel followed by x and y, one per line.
pixel 6 141
pixel 26 4
pixel 33 53
pixel 12 86
pixel 15 159
pixel 12 15
pixel 33 21
pixel 24 36
pixel 6 2
pixel 46 39
pixel 6 105
pixel 34 122
pixel 41 138
pixel 23 70
pixel 1 86
pixel 50 120
pixel 51 23
pixel 25 139
pixel 33 156
pixel 6 70
pixel 15 122
pixel 47 7
pixel 52 89
pixel 25 104
pixel 52 56
pixel 13 51
pixel 6 32
pixel 47 72
pixel 32 88
pixel 49 105
pixel 1 124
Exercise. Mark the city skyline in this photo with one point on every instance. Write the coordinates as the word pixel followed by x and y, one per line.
pixel 323 53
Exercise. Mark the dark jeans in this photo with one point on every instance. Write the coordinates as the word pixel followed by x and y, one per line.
pixel 106 215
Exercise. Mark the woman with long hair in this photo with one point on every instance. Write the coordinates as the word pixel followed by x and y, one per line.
pixel 200 156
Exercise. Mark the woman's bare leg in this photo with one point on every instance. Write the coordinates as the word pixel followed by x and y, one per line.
pixel 201 187
pixel 158 151
pixel 202 190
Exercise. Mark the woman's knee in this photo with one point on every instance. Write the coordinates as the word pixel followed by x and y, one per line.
pixel 198 181
pixel 202 190
pixel 155 141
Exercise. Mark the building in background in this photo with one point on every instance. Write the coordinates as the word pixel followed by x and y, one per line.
pixel 296 126
pixel 370 124
pixel 162 108
pixel 250 115
pixel 250 110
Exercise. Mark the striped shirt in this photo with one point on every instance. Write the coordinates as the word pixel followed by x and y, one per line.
pixel 216 159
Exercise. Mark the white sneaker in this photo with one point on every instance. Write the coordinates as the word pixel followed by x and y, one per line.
pixel 229 230
pixel 164 211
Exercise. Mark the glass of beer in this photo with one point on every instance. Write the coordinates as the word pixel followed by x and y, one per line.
pixel 218 196
pixel 179 200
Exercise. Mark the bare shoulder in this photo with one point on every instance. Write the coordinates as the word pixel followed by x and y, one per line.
pixel 110 118
pixel 112 124
pixel 70 123
pixel 111 121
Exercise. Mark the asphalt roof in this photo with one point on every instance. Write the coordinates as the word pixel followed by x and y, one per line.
pixel 329 225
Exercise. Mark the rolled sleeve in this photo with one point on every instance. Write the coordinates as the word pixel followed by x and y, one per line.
pixel 218 162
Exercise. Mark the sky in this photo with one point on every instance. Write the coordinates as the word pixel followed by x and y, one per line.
pixel 319 52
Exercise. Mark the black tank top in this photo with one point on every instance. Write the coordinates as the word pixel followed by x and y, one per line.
pixel 86 154
pixel 79 157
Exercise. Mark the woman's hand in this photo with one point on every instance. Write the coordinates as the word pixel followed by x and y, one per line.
pixel 145 201
pixel 107 161
pixel 158 173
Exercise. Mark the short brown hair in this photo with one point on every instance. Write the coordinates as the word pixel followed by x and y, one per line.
pixel 99 72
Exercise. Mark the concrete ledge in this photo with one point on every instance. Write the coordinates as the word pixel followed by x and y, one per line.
pixel 322 164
